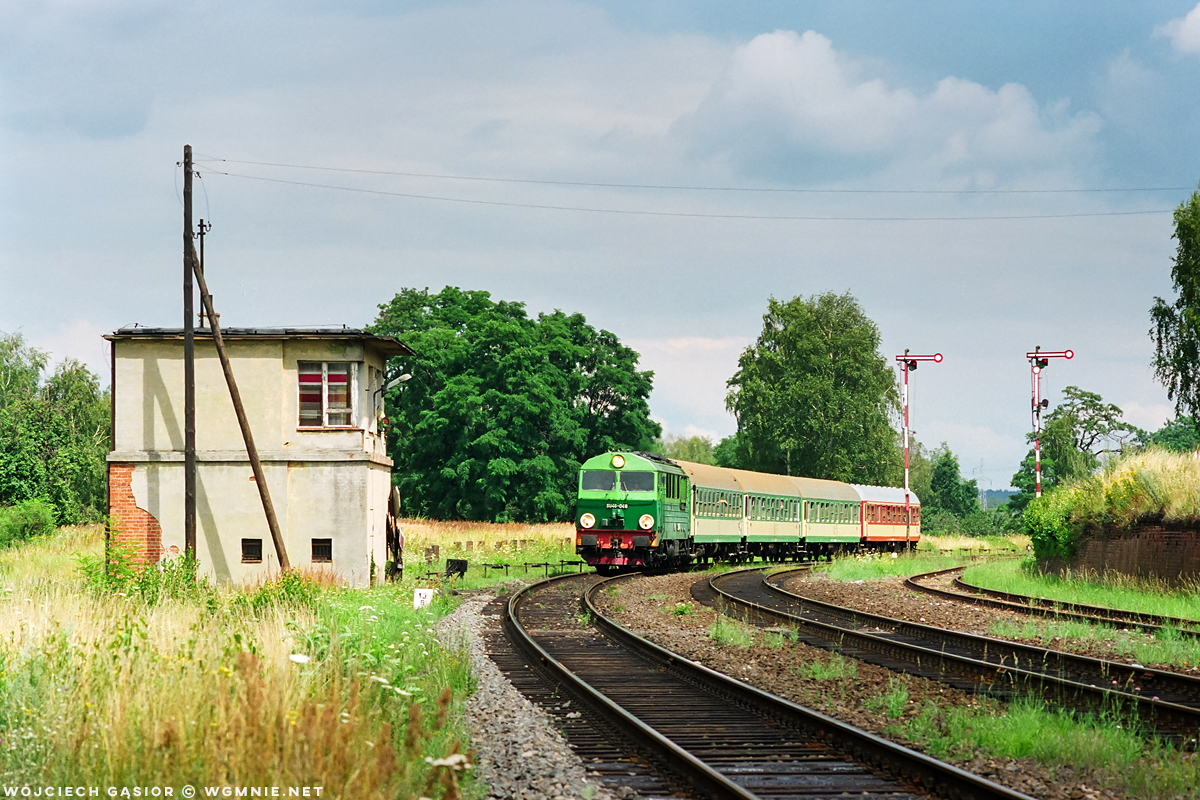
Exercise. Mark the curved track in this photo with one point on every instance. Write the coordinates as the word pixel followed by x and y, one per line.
pixel 713 736
pixel 1042 606
pixel 1165 701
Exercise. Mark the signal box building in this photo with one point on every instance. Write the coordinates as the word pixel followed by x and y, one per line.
pixel 314 399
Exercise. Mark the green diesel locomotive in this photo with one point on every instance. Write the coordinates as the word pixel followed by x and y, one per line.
pixel 643 510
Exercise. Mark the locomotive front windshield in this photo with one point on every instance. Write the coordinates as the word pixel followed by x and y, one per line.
pixel 598 480
pixel 637 481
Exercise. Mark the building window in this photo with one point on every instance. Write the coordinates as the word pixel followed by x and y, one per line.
pixel 322 551
pixel 251 551
pixel 327 392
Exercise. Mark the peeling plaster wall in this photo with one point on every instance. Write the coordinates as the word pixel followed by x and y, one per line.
pixel 324 484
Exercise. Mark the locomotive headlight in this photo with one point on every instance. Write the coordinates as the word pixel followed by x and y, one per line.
pixel 646 522
pixel 618 461
pixel 587 521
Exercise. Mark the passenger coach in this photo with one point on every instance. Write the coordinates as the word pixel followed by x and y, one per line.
pixel 643 510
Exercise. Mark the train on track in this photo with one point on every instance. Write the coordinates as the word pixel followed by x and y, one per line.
pixel 645 511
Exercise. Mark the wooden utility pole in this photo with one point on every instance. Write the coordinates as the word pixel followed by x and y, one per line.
pixel 260 478
pixel 189 365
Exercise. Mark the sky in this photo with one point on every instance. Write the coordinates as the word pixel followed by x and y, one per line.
pixel 911 154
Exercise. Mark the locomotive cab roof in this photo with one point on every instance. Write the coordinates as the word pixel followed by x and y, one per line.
pixel 634 460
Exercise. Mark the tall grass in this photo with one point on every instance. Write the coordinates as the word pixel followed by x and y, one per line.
pixel 1111 591
pixel 342 689
pixel 727 632
pixel 1122 758
pixel 1166 647
pixel 1149 485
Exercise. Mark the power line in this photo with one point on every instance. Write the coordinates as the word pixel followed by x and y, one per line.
pixel 782 190
pixel 632 212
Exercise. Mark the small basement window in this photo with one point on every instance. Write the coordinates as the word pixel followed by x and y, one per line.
pixel 327 393
pixel 322 551
pixel 251 551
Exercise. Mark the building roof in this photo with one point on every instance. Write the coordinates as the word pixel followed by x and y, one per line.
pixel 388 345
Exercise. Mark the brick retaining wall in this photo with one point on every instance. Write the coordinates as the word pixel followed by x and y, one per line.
pixel 1167 553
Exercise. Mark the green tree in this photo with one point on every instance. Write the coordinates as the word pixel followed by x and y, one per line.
pixel 731 452
pixel 21 368
pixel 920 468
pixel 813 396
pixel 1086 424
pixel 1176 326
pixel 53 437
pixel 698 449
pixel 1178 435
pixel 948 491
pixel 502 409
pixel 1076 434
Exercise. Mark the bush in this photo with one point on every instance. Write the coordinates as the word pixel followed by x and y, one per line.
pixel 25 520
pixel 1049 522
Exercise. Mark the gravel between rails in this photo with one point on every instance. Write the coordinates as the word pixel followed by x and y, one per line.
pixel 518 752
pixel 851 691
pixel 520 755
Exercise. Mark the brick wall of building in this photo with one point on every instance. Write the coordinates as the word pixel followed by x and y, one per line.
pixel 132 527
pixel 1167 553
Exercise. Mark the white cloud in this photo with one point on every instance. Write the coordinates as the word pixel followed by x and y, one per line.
pixel 693 430
pixel 689 382
pixel 984 454
pixel 1184 32
pixel 788 102
pixel 1150 416
pixel 81 340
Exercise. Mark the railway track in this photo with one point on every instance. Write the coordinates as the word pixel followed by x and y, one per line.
pixel 1041 606
pixel 1166 702
pixel 699 733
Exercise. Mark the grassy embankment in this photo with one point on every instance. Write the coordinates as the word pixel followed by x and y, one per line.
pixel 166 683
pixel 1149 486
pixel 933 553
pixel 1105 751
pixel 1165 648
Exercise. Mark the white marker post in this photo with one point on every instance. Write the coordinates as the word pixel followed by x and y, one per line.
pixel 909 362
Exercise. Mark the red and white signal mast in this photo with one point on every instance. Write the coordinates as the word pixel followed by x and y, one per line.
pixel 1038 361
pixel 907 363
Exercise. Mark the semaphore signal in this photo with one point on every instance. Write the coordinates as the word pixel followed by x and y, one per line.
pixel 1039 359
pixel 909 362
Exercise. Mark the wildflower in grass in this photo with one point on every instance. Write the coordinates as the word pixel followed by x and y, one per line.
pixel 456 761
